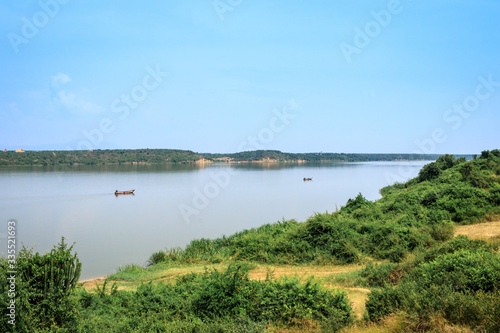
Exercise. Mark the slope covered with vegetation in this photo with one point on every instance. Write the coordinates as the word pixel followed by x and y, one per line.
pixel 414 215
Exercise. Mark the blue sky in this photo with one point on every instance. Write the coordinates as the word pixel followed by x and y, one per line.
pixel 226 75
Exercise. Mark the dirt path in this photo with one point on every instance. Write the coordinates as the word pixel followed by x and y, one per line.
pixel 303 272
pixel 258 273
pixel 479 230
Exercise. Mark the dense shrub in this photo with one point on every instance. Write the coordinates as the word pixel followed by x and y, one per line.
pixel 459 280
pixel 456 244
pixel 289 299
pixel 429 172
pixel 357 203
pixel 332 236
pixel 157 257
pixel 226 301
pixel 463 270
pixel 232 294
pixel 475 309
pixel 44 285
pixel 478 310
pixel 380 275
pixel 226 294
pixel 390 188
pixel 433 170
pixel 382 302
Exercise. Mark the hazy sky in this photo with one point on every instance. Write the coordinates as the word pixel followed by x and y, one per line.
pixel 232 75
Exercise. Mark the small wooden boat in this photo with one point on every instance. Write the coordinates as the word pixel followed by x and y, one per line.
pixel 307 179
pixel 124 192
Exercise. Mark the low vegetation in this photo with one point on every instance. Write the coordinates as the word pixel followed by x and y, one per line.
pixel 405 270
pixel 459 282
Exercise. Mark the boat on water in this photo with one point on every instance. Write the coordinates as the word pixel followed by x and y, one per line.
pixel 307 179
pixel 124 192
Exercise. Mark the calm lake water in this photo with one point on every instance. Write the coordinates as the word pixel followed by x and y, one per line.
pixel 172 205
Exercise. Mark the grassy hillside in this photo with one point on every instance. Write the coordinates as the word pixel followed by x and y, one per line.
pixel 410 216
pixel 404 270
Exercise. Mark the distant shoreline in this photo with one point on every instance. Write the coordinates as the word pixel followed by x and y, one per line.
pixel 179 157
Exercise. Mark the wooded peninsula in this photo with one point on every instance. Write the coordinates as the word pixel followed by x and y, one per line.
pixel 175 156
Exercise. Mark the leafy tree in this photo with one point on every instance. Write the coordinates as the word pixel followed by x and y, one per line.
pixel 429 172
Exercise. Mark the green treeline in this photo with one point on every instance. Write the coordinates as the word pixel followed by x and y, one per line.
pixel 427 280
pixel 172 156
pixel 276 155
pixel 98 157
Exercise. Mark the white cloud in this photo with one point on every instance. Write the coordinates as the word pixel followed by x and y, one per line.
pixel 69 100
pixel 60 79
pixel 75 104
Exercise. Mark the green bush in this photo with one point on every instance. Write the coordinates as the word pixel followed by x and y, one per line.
pixel 226 301
pixel 429 172
pixel 380 275
pixel 289 299
pixel 463 270
pixel 226 294
pixel 382 302
pixel 390 188
pixel 333 237
pixel 157 257
pixel 458 280
pixel 433 170
pixel 480 310
pixel 455 244
pixel 44 289
pixel 442 231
